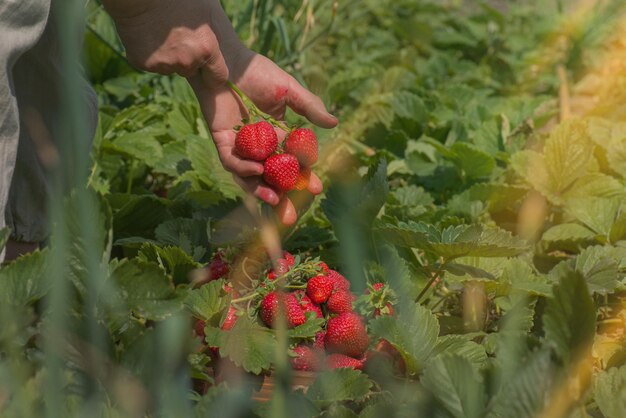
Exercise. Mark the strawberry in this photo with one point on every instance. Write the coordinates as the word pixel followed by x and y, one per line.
pixel 340 301
pixel 256 141
pixel 339 361
pixel 339 282
pixel 198 327
pixel 281 171
pixel 302 143
pixel 324 267
pixel 346 334
pixel 308 306
pixel 289 258
pixel 380 299
pixel 319 289
pixel 275 302
pixel 305 359
pixel 320 338
pixel 303 179
pixel 218 267
pixel 231 319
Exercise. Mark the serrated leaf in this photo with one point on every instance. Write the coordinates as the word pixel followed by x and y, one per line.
pixel 24 281
pixel 567 232
pixel 472 162
pixel 247 344
pixel 413 332
pixel 610 392
pixel 137 215
pixel 521 277
pixel 598 214
pixel 205 161
pixel 173 260
pixel 139 145
pixel 460 345
pixel 209 302
pixel 306 330
pixel 456 383
pixel 191 235
pixel 570 317
pixel 339 385
pixel 144 289
pixel 173 154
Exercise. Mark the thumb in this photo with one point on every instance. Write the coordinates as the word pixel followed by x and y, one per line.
pixel 305 103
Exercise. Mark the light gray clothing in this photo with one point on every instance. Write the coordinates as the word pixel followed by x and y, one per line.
pixel 29 113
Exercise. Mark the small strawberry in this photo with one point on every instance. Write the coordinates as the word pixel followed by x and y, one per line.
pixel 198 327
pixel 340 282
pixel 339 361
pixel 275 302
pixel 346 334
pixel 320 338
pixel 231 319
pixel 302 143
pixel 319 289
pixel 218 267
pixel 281 171
pixel 308 306
pixel 305 359
pixel 340 301
pixel 291 260
pixel 256 141
pixel 303 179
pixel 380 299
pixel 324 267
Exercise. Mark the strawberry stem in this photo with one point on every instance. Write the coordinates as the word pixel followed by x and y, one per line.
pixel 255 111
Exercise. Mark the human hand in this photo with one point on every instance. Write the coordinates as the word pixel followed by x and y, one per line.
pixel 170 36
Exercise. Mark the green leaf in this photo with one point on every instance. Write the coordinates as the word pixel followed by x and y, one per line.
pixel 413 332
pixel 137 215
pixel 570 317
pixel 460 345
pixel 597 264
pixel 454 241
pixel 173 154
pixel 173 260
pixel 139 145
pixel 192 235
pixel 472 162
pixel 306 330
pixel 598 214
pixel 456 383
pixel 144 289
pixel 521 277
pixel 205 161
pixel 209 302
pixel 610 392
pixel 567 232
pixel 339 385
pixel 24 281
pixel 247 344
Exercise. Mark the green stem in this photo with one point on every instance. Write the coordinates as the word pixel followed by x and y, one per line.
pixel 436 275
pixel 254 110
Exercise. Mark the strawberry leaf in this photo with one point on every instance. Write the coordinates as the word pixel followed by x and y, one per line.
pixel 339 385
pixel 610 392
pixel 306 330
pixel 24 281
pixel 209 302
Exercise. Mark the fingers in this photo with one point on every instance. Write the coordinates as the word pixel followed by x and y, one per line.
pixel 309 105
pixel 236 165
pixel 257 188
pixel 315 186
pixel 286 212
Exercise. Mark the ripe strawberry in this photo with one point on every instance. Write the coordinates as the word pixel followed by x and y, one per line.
pixel 256 141
pixel 275 302
pixel 231 319
pixel 303 179
pixel 346 334
pixel 320 339
pixel 340 301
pixel 339 361
pixel 289 258
pixel 198 327
pixel 305 359
pixel 319 289
pixel 339 282
pixel 377 287
pixel 324 267
pixel 218 267
pixel 308 306
pixel 281 171
pixel 302 143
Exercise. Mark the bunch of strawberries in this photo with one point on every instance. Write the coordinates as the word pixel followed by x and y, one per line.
pixel 286 166
pixel 319 293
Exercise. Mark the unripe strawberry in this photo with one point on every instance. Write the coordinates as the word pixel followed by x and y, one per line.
pixel 340 301
pixel 275 302
pixel 281 171
pixel 302 143
pixel 346 334
pixel 304 359
pixel 339 282
pixel 256 141
pixel 339 361
pixel 198 327
pixel 319 289
pixel 303 179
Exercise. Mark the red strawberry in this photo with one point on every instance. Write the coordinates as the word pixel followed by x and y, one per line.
pixel 320 338
pixel 324 267
pixel 340 301
pixel 290 306
pixel 256 141
pixel 340 282
pixel 289 258
pixel 231 319
pixel 305 359
pixel 308 306
pixel 377 287
pixel 302 143
pixel 303 179
pixel 319 289
pixel 346 334
pixel 218 267
pixel 198 327
pixel 281 171
pixel 339 361
pixel 380 309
